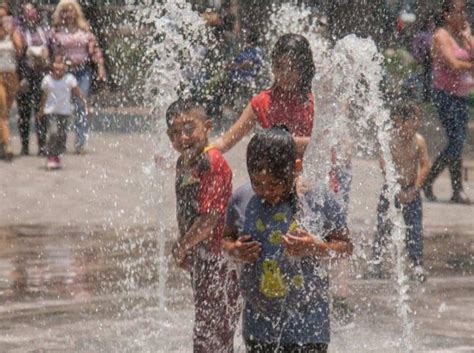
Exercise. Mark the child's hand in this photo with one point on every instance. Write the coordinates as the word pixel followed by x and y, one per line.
pixel 300 243
pixel 39 115
pixel 187 263
pixel 101 75
pixel 179 253
pixel 406 196
pixel 246 250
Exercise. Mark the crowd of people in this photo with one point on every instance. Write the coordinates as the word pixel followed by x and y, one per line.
pixel 46 69
pixel 269 240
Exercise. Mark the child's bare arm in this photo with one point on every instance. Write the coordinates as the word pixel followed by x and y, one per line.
pixel 302 143
pixel 241 247
pixel 241 128
pixel 77 92
pixel 425 163
pixel 305 244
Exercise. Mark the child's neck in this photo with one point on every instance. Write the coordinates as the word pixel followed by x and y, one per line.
pixel 406 137
pixel 56 77
pixel 189 160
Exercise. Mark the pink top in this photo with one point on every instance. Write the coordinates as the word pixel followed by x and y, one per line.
pixel 459 83
pixel 78 46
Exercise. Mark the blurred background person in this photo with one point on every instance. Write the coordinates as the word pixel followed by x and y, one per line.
pixel 33 66
pixel 453 54
pixel 72 34
pixel 11 47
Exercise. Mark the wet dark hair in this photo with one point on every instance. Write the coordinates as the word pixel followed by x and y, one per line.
pixel 445 8
pixel 57 53
pixel 251 38
pixel 182 106
pixel 297 48
pixel 21 10
pixel 274 150
pixel 403 109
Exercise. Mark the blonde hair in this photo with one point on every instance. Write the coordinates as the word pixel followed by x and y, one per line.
pixel 81 21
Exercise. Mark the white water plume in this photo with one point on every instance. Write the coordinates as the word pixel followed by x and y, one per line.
pixel 350 117
pixel 176 40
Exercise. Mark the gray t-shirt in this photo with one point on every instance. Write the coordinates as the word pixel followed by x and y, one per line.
pixel 286 297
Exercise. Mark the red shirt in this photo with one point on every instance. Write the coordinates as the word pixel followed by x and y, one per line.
pixel 201 188
pixel 274 108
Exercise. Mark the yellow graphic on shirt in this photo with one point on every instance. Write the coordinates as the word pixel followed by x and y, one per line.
pixel 272 284
pixel 298 281
pixel 279 217
pixel 260 225
pixel 275 237
pixel 207 148
pixel 293 226
pixel 189 179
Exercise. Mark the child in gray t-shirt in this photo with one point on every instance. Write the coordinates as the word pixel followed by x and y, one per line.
pixel 280 236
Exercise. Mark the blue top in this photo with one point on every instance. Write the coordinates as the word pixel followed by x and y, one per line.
pixel 285 297
pixel 252 54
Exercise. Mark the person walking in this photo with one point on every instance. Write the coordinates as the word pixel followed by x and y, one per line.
pixel 72 34
pixel 453 55
pixel 11 47
pixel 33 65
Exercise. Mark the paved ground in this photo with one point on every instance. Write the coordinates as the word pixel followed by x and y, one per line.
pixel 79 260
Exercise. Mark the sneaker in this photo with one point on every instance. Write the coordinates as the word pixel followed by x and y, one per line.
pixel 8 153
pixel 418 274
pixel 53 163
pixel 80 151
pixel 8 156
pixel 430 196
pixel 461 198
pixel 25 151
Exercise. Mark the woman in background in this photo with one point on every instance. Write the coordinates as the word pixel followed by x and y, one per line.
pixel 33 66
pixel 72 33
pixel 11 47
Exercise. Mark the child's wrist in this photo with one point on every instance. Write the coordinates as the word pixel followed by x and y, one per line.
pixel 182 245
pixel 231 249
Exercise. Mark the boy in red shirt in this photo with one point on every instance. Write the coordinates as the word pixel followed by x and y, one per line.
pixel 203 189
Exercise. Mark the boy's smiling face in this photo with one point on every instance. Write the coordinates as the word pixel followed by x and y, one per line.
pixel 188 133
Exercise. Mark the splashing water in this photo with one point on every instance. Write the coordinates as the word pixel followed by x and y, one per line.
pixel 350 115
pixel 348 75
pixel 176 40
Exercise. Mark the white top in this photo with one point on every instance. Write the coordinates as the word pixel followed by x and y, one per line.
pixel 58 94
pixel 7 55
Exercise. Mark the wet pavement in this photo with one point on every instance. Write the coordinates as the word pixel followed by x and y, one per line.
pixel 63 290
pixel 79 272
